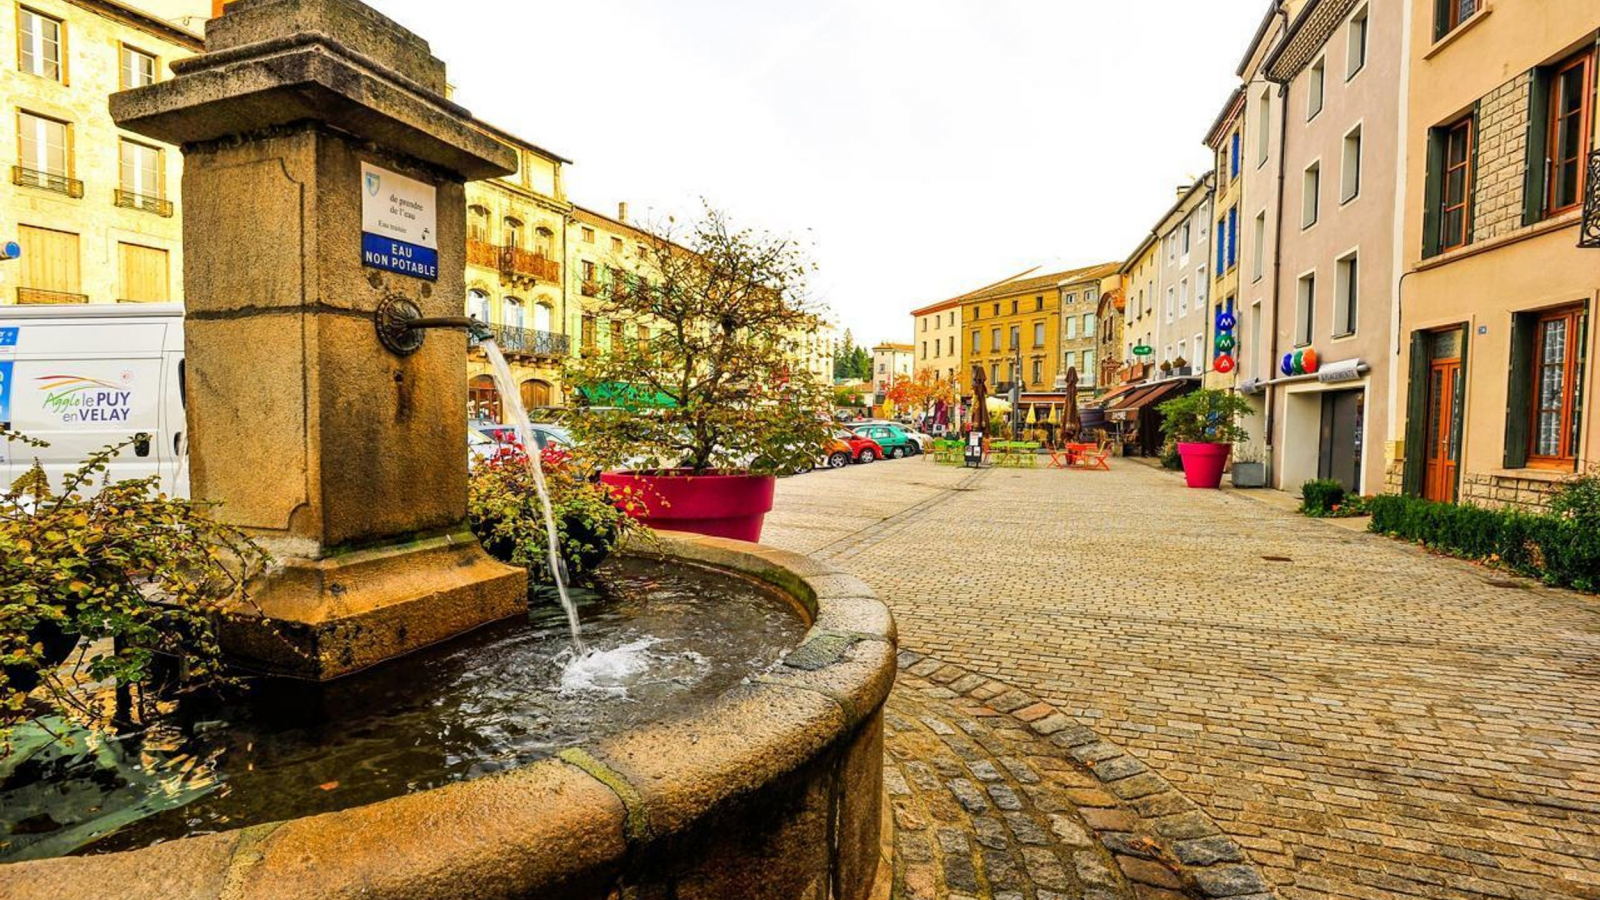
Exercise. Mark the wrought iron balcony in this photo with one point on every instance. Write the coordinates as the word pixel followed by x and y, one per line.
pixel 40 295
pixel 145 202
pixel 46 181
pixel 514 341
pixel 590 288
pixel 1589 231
pixel 482 253
pixel 517 262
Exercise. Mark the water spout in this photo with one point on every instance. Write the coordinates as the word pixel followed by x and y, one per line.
pixel 517 417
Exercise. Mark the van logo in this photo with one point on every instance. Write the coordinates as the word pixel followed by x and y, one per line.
pixel 373 180
pixel 77 399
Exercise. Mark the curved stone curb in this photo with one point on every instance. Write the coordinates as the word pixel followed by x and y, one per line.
pixel 1162 842
pixel 773 791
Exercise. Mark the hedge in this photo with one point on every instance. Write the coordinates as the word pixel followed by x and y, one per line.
pixel 1554 549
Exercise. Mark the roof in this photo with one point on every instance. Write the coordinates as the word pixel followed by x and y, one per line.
pixel 503 134
pixel 941 306
pixel 891 345
pixel 1273 7
pixel 1230 111
pixel 1306 35
pixel 1092 273
pixel 138 18
pixel 957 299
pixel 1206 182
pixel 1146 244
pixel 1029 283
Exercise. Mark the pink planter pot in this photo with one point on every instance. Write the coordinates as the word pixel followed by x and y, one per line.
pixel 730 506
pixel 1203 463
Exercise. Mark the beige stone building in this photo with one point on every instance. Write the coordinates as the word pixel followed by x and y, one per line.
pixel 937 337
pixel 1110 312
pixel 95 208
pixel 1080 326
pixel 1495 385
pixel 1139 274
pixel 516 230
pixel 890 361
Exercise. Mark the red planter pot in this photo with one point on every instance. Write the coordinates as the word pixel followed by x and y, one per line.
pixel 1203 463
pixel 730 506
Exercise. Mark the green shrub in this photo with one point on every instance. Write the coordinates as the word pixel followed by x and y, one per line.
pixel 1320 496
pixel 1208 415
pixel 1579 501
pixel 1557 549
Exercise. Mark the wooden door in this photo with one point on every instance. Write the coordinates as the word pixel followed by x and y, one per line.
pixel 145 274
pixel 49 263
pixel 1444 413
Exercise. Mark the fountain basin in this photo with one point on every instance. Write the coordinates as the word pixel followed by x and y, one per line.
pixel 772 790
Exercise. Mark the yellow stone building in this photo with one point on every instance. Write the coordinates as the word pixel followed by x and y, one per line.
pixel 1140 278
pixel 94 208
pixel 1080 325
pixel 937 339
pixel 1015 329
pixel 1226 140
pixel 516 237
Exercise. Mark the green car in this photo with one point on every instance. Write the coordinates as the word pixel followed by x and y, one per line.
pixel 896 442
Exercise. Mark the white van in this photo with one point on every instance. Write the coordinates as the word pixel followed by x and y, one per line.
pixel 84 376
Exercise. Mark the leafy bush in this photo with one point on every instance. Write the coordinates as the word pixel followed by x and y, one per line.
pixel 1557 549
pixel 1170 458
pixel 125 577
pixel 1579 501
pixel 1208 415
pixel 504 512
pixel 1321 496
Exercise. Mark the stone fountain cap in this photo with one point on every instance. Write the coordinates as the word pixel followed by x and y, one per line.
pixel 273 63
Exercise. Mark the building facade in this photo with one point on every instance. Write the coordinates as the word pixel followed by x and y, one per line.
pixel 1340 61
pixel 1081 325
pixel 95 209
pixel 1139 278
pixel 1113 306
pixel 889 362
pixel 936 333
pixel 516 231
pixel 1494 392
pixel 1226 141
pixel 1183 280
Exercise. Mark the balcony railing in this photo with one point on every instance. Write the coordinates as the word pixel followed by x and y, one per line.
pixel 40 295
pixel 47 181
pixel 515 261
pixel 590 288
pixel 514 341
pixel 144 202
pixel 482 253
pixel 1589 233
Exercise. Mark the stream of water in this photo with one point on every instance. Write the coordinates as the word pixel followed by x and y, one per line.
pixel 517 417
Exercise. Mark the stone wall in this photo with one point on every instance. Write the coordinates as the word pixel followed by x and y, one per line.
pixel 1525 494
pixel 1502 160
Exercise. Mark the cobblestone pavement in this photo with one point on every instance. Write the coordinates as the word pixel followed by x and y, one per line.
pixel 1366 720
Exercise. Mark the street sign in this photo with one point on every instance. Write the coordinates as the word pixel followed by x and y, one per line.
pixel 399 223
pixel 10 250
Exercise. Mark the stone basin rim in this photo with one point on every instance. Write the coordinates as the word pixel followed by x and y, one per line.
pixel 568 825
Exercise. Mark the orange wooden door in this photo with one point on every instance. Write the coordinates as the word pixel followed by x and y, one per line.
pixel 1444 451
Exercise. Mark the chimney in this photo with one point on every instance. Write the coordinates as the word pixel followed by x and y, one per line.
pixel 622 211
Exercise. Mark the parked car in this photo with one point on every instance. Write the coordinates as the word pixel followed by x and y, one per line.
pixel 895 441
pixel 480 448
pixel 836 453
pixel 923 439
pixel 544 433
pixel 862 449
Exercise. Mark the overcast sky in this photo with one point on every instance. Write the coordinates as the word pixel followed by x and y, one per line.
pixel 920 147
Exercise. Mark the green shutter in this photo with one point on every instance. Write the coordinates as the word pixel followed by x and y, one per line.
pixel 1456 437
pixel 1416 417
pixel 1441 18
pixel 1519 390
pixel 1433 193
pixel 1538 135
pixel 1472 191
pixel 1582 337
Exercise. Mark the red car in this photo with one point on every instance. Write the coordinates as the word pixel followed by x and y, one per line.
pixel 862 450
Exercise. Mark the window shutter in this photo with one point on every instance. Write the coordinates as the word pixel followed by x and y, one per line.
pixel 1456 437
pixel 1519 391
pixel 1582 337
pixel 1432 193
pixel 1538 135
pixel 1441 17
pixel 1416 417
pixel 1472 194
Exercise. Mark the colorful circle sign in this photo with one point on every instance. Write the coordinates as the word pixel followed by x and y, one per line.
pixel 1223 363
pixel 1224 342
pixel 1309 362
pixel 1226 321
pixel 1287 366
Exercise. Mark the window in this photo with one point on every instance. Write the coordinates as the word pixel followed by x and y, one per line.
pixel 1015 306
pixel 977 342
pixel 1305 310
pixel 1183 297
pixel 478 305
pixel 39 42
pixel 616 245
pixel 1571 88
pixel 588 331
pixel 1038 304
pixel 1016 337
pixel 477 224
pixel 1172 303
pixel 1092 295
pixel 145 274
pixel 997 309
pixel 1350 174
pixel 1316 82
pixel 953 345
pixel 140 170
pixel 1200 288
pixel 1072 329
pixel 1260 246
pixel 544 242
pixel 1454 184
pixel 588 235
pixel 46 156
pixel 1183 352
pixel 937 346
pixel 1555 380
pixel 1356 45
pixel 1234 152
pixel 511 232
pixel 1088 366
pixel 1038 334
pixel 1038 370
pixel 1263 126
pixel 1222 244
pixel 924 349
pixel 1184 240
pixel 589 287
pixel 513 312
pixel 1088 324
pixel 1072 299
pixel 138 68
pixel 1451 13
pixel 1311 188
pixel 975 314
pixel 952 318
pixel 542 316
pixel 1233 237
pixel 994 340
pixel 1346 292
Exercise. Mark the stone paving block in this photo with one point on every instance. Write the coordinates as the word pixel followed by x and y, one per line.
pixel 1004 796
pixel 1069 830
pixel 968 795
pixel 1207 851
pixel 1145 871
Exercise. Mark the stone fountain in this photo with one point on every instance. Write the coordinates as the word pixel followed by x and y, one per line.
pixel 324 233
pixel 323 181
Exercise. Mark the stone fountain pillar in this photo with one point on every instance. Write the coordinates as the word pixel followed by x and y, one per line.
pixel 323 177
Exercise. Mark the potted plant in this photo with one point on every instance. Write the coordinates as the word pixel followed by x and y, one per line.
pixel 1249 471
pixel 1166 367
pixel 1180 366
pixel 1204 425
pixel 696 404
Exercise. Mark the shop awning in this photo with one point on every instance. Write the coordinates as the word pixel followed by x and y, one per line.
pixel 1110 397
pixel 626 396
pixel 1151 395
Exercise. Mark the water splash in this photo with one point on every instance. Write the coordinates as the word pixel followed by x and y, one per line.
pixel 511 402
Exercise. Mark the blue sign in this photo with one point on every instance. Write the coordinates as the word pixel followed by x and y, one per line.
pixel 10 250
pixel 5 389
pixel 8 336
pixel 380 252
